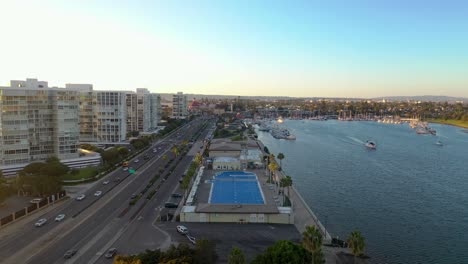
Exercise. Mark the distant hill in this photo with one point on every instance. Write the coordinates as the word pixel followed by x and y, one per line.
pixel 425 98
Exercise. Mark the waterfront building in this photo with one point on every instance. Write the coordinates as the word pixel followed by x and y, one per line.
pixel 86 111
pixel 37 122
pixel 155 111
pixel 179 106
pixel 132 112
pixel 110 111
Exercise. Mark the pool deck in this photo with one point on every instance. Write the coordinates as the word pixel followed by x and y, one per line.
pixel 269 195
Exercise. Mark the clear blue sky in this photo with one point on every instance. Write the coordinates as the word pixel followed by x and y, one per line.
pixel 298 48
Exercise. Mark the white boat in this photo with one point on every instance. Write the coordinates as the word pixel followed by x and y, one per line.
pixel 371 145
pixel 282 133
pixel 439 143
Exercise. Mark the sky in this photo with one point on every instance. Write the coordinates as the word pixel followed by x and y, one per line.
pixel 347 48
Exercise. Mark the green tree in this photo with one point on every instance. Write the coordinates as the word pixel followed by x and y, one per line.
pixel 281 157
pixel 273 167
pixel 150 256
pixel 286 182
pixel 110 156
pixel 312 242
pixel 123 151
pixel 4 190
pixel 236 256
pixel 356 243
pixel 175 150
pixel 198 159
pixel 164 157
pixel 283 252
pixel 205 252
pixel 119 259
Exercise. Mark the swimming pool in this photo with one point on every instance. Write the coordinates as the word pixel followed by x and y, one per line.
pixel 236 187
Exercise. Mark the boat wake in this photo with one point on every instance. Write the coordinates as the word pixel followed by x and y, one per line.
pixel 357 140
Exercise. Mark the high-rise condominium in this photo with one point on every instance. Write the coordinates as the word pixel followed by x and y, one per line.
pixel 37 122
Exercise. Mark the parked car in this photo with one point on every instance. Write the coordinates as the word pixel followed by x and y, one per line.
pixel 170 205
pixel 176 195
pixel 41 222
pixel 36 200
pixel 59 217
pixel 98 193
pixel 70 253
pixel 182 229
pixel 110 253
pixel 105 182
pixel 80 197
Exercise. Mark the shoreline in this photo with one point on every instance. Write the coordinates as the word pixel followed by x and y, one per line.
pixel 449 124
pixel 303 214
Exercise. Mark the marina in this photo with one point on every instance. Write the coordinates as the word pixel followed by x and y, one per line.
pixel 396 196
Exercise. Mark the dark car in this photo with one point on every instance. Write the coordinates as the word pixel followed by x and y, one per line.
pixel 69 253
pixel 170 205
pixel 133 196
pixel 176 195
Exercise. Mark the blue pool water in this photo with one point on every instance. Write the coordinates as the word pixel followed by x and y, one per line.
pixel 235 187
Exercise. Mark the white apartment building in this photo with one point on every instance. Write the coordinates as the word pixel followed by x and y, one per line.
pixel 110 116
pixel 132 112
pixel 179 106
pixel 155 111
pixel 37 122
pixel 87 131
pixel 143 109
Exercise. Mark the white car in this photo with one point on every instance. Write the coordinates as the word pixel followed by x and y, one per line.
pixel 59 217
pixel 182 229
pixel 136 161
pixel 36 200
pixel 125 169
pixel 41 222
pixel 80 197
pixel 105 182
pixel 98 193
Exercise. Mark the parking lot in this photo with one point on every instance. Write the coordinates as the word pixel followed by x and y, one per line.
pixel 252 239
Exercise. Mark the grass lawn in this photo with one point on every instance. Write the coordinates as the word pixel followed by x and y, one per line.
pixel 453 122
pixel 83 173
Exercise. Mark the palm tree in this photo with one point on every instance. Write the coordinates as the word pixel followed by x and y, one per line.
pixel 356 243
pixel 175 150
pixel 236 256
pixel 286 182
pixel 281 157
pixel 198 158
pixel 312 242
pixel 273 167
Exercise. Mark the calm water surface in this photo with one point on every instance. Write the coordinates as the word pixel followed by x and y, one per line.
pixel 409 197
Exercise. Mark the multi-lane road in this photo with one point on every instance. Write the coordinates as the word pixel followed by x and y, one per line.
pixel 95 224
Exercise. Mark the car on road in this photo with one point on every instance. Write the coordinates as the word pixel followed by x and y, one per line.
pixel 182 229
pixel 155 150
pixel 105 182
pixel 110 253
pixel 125 169
pixel 117 179
pixel 176 195
pixel 133 196
pixel 36 200
pixel 80 197
pixel 41 222
pixel 170 205
pixel 59 217
pixel 136 161
pixel 98 193
pixel 192 239
pixel 70 253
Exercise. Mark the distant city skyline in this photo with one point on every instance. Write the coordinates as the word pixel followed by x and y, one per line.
pixel 360 49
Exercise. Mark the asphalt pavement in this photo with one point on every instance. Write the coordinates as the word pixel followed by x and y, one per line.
pixel 95 223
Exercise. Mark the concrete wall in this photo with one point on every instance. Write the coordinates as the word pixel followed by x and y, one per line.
pixel 237 218
pixel 221 153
